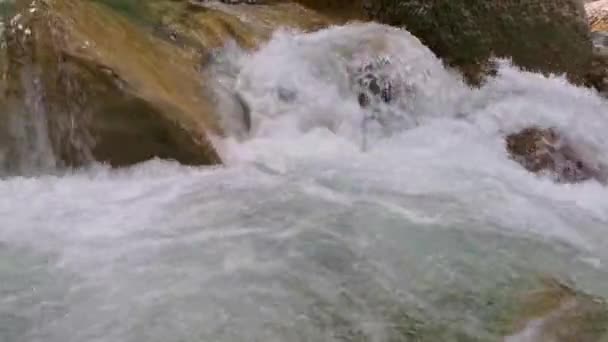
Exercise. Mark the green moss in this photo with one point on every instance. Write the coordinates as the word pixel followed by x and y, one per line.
pixel 7 9
pixel 545 36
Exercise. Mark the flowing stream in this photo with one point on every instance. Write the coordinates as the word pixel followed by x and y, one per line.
pixel 403 221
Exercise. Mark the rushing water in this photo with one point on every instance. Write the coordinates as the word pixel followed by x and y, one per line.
pixel 325 225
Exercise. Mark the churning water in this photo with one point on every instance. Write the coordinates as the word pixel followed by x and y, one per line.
pixel 402 221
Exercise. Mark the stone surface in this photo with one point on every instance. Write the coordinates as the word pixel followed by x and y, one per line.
pixel 549 152
pixel 106 89
pixel 122 81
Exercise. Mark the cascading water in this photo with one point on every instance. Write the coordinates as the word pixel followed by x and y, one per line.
pixel 426 233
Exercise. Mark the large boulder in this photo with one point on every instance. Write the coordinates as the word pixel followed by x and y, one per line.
pixel 550 36
pixel 105 89
pixel 206 24
pixel 547 151
pixel 121 81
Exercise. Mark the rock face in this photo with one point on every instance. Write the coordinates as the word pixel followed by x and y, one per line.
pixel 107 90
pixel 120 81
pixel 597 76
pixel 547 151
pixel 597 12
pixel 540 35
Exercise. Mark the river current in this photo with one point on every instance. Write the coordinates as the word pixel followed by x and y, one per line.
pixel 401 221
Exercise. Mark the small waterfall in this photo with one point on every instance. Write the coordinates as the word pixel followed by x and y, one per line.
pixel 43 111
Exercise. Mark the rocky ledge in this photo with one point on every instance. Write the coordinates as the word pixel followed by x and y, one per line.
pixel 120 84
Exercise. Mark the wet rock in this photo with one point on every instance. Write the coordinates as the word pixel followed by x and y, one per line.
pixel 550 36
pixel 372 86
pixel 105 89
pixel 547 151
pixel 558 313
pixel 539 35
pixel 372 83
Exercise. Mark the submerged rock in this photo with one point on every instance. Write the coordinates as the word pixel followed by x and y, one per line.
pixel 559 313
pixel 210 24
pixel 106 89
pixel 547 151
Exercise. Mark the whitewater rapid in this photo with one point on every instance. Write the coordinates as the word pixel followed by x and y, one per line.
pixel 304 235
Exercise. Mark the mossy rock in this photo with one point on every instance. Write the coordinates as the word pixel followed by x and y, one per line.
pixel 108 90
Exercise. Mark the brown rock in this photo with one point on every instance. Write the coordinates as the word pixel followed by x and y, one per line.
pixel 203 25
pixel 119 81
pixel 550 36
pixel 106 90
pixel 547 151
